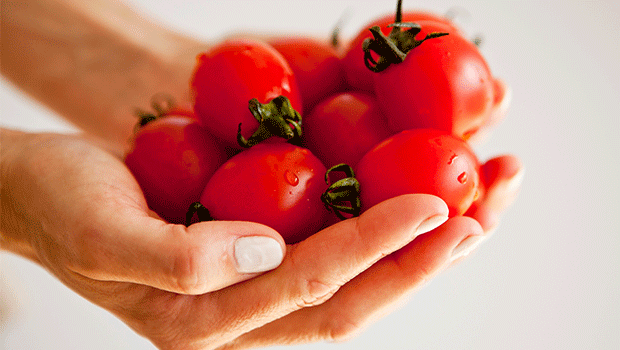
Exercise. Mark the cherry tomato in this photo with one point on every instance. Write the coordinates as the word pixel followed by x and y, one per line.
pixel 273 183
pixel 185 111
pixel 501 104
pixel 317 68
pixel 232 73
pixel 172 158
pixel 357 75
pixel 444 83
pixel 420 161
pixel 343 127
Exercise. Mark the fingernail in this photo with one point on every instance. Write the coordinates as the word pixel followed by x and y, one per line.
pixel 515 181
pixel 257 254
pixel 465 247
pixel 430 224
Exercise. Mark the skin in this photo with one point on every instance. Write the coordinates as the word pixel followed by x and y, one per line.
pixel 70 205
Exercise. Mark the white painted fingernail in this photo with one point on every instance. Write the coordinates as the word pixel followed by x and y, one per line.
pixel 515 181
pixel 465 247
pixel 257 254
pixel 430 224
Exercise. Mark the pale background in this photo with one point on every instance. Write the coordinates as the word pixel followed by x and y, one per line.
pixel 548 279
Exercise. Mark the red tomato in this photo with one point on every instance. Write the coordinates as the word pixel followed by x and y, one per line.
pixel 232 73
pixel 185 111
pixel 420 161
pixel 343 127
pixel 172 158
pixel 444 83
pixel 275 184
pixel 357 75
pixel 317 68
pixel 501 104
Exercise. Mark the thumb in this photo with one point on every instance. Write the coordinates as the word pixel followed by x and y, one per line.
pixel 198 259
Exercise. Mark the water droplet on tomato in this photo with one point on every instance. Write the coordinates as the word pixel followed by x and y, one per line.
pixel 451 160
pixel 291 178
pixel 462 178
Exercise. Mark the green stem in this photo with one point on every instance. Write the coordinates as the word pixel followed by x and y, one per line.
pixel 197 208
pixel 343 196
pixel 162 103
pixel 276 118
pixel 393 48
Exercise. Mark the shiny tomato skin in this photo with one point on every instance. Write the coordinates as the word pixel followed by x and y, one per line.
pixel 172 158
pixel 420 161
pixel 343 127
pixel 273 183
pixel 444 83
pixel 182 111
pixel 316 66
pixel 358 76
pixel 229 75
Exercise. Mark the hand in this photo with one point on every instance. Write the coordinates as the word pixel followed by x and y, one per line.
pixel 392 279
pixel 77 210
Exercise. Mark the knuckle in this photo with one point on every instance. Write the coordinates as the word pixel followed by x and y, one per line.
pixel 424 275
pixel 309 290
pixel 340 328
pixel 187 269
pixel 314 292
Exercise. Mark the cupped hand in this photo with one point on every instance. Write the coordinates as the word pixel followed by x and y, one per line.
pixel 386 284
pixel 76 210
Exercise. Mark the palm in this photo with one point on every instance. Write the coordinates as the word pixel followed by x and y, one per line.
pixel 106 245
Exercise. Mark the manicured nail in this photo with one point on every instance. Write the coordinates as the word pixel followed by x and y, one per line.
pixel 257 254
pixel 515 181
pixel 465 247
pixel 430 224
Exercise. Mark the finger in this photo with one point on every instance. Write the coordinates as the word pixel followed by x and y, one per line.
pixel 375 292
pixel 502 177
pixel 129 247
pixel 501 102
pixel 317 267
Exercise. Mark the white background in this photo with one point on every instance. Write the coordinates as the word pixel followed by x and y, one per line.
pixel 548 279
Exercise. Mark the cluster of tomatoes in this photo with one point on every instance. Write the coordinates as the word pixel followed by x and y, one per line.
pixel 388 115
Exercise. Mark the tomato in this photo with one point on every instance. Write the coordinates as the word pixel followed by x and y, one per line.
pixel 182 110
pixel 343 127
pixel 420 161
pixel 317 68
pixel 172 158
pixel 163 104
pixel 232 73
pixel 357 75
pixel 273 183
pixel 444 83
pixel 501 104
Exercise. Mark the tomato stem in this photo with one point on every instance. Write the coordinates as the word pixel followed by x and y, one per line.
pixel 393 48
pixel 161 102
pixel 198 209
pixel 399 12
pixel 276 118
pixel 478 40
pixel 343 196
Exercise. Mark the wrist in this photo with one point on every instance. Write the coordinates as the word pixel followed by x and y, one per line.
pixel 112 61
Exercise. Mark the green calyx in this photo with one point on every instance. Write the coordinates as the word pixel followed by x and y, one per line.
pixel 393 48
pixel 343 196
pixel 161 103
pixel 199 210
pixel 276 118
